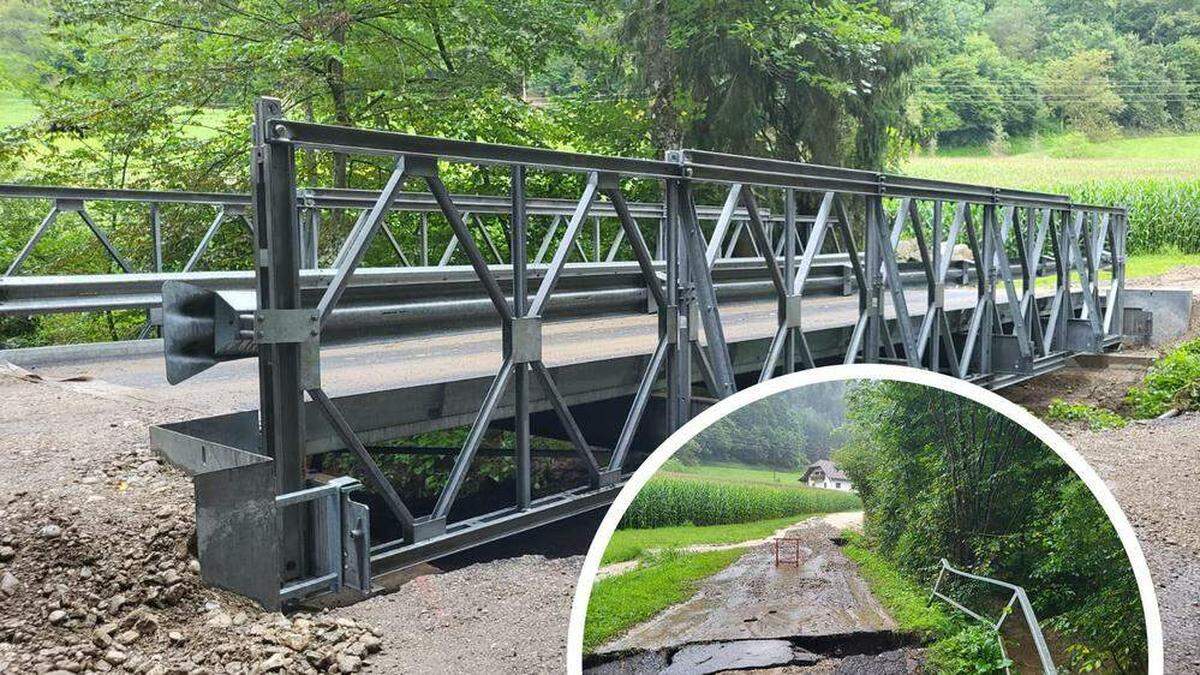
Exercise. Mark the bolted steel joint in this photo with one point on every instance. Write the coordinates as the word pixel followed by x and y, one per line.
pixel 523 339
pixel 791 311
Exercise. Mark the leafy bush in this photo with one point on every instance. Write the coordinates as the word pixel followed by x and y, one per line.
pixel 667 501
pixel 1096 418
pixel 971 650
pixel 1172 382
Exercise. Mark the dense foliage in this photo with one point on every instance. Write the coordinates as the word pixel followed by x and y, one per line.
pixel 667 501
pixel 943 477
pixel 158 93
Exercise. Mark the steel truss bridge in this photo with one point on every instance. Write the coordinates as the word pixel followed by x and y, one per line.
pixel 608 339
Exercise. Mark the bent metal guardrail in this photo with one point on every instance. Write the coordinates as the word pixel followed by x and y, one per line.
pixel 1019 597
pixel 267 531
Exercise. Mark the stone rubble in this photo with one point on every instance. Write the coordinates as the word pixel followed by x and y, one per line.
pixel 77 598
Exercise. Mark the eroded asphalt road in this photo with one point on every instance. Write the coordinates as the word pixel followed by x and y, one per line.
pixel 771 616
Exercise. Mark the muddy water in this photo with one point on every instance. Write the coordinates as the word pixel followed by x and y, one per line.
pixel 755 599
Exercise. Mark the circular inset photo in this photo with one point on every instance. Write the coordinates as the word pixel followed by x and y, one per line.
pixel 865 519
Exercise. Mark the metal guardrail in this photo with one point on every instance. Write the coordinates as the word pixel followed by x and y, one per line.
pixel 605 245
pixel 1019 597
pixel 1006 337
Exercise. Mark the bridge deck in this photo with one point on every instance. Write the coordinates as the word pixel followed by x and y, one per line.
pixel 446 357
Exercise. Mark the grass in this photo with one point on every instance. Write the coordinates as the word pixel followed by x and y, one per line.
pixel 623 601
pixel 667 501
pixel 733 472
pixel 630 544
pixel 905 600
pixel 1096 418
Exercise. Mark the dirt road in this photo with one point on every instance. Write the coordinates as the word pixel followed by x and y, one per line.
pixel 96 573
pixel 753 598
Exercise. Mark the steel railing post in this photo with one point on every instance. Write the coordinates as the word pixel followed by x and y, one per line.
pixel 521 377
pixel 679 366
pixel 277 274
pixel 874 270
pixel 789 275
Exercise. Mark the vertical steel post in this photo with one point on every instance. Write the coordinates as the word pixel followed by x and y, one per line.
pixel 935 327
pixel 871 342
pixel 988 305
pixel 424 239
pixel 524 467
pixel 156 236
pixel 277 277
pixel 675 318
pixel 789 273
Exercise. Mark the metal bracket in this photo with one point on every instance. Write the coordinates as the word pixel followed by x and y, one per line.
pixel 668 321
pixel 791 310
pixel 420 166
pixel 280 326
pixel 356 543
pixel 66 205
pixel 428 528
pixel 1007 357
pixel 523 339
pixel 310 364
pixel 607 478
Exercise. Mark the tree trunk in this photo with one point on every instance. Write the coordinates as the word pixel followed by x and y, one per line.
pixel 662 77
pixel 335 79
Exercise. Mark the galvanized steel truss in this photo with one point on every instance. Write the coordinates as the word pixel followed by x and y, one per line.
pixel 1009 337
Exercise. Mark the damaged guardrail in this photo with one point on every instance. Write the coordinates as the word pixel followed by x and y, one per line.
pixel 1019 598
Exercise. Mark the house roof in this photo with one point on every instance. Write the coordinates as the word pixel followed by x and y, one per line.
pixel 828 468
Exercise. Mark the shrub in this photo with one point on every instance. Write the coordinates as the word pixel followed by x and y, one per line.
pixel 1172 382
pixel 971 650
pixel 1096 418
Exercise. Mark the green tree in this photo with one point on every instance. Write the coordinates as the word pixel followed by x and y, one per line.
pixel 1080 90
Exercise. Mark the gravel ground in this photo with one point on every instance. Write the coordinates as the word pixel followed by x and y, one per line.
pixel 1153 469
pixel 506 616
pixel 96 574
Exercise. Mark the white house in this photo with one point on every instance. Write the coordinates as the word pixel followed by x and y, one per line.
pixel 825 474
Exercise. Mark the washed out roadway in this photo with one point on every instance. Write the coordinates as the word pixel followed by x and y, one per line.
pixel 755 599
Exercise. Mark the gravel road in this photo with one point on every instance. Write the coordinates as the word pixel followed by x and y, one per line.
pixel 1153 469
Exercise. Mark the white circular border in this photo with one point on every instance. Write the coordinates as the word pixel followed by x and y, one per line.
pixel 1016 413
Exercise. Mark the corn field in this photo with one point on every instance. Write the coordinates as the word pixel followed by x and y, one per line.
pixel 668 501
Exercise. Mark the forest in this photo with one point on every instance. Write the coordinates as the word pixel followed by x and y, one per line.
pixel 941 476
pixel 157 93
pixel 786 431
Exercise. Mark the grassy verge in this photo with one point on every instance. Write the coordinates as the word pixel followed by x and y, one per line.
pixel 955 644
pixel 620 602
pixel 907 602
pixel 668 501
pixel 629 544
